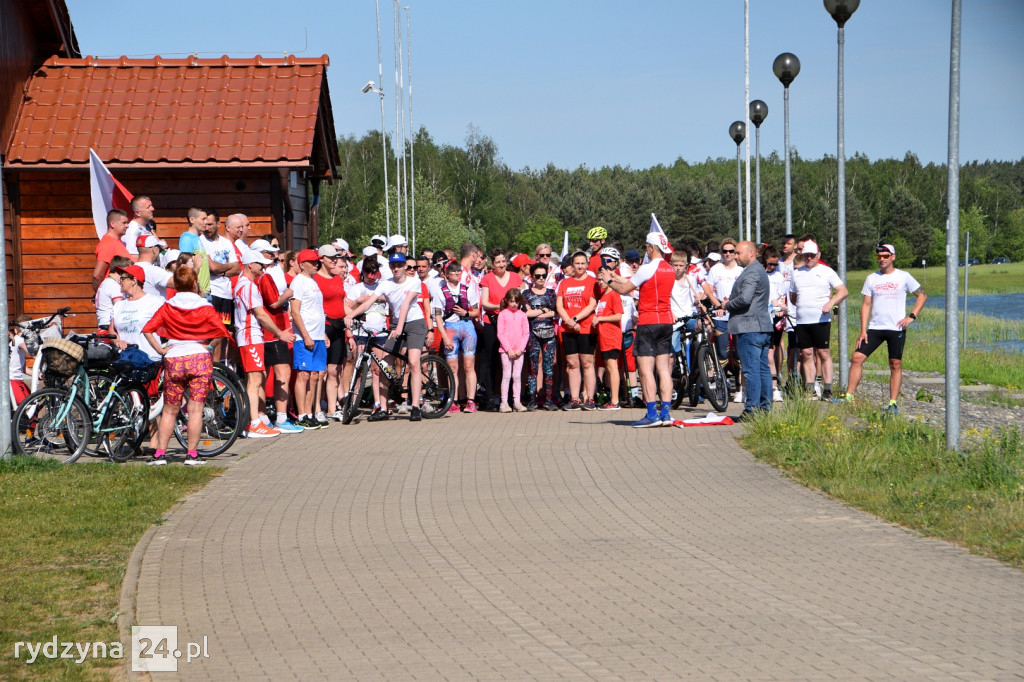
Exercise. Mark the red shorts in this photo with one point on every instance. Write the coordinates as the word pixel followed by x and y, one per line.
pixel 20 390
pixel 252 358
pixel 194 372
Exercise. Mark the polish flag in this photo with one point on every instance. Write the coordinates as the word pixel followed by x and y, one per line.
pixel 187 317
pixel 107 193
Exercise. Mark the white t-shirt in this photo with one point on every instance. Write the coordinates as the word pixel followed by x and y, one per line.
pixel 129 317
pixel 135 230
pixel 813 288
pixel 19 351
pixel 107 295
pixel 156 280
pixel 629 313
pixel 396 294
pixel 220 251
pixel 682 297
pixel 376 316
pixel 308 294
pixel 888 297
pixel 248 330
pixel 721 280
pixel 778 287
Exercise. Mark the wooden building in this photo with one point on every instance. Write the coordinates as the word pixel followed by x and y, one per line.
pixel 253 136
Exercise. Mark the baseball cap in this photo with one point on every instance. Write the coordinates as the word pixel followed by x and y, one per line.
pixel 262 245
pixel 172 255
pixel 341 245
pixel 885 247
pixel 396 240
pixel 659 240
pixel 253 256
pixel 327 250
pixel 369 252
pixel 522 259
pixel 308 256
pixel 633 254
pixel 135 271
pixel 188 242
pixel 146 241
pixel 810 246
pixel 397 258
pixel 378 240
pixel 714 257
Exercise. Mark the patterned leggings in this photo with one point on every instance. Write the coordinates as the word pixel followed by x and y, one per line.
pixel 537 349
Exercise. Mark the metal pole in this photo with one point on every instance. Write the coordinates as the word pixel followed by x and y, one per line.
pixel 967 274
pixel 757 162
pixel 746 99
pixel 398 129
pixel 401 99
pixel 412 131
pixel 952 238
pixel 5 358
pixel 844 341
pixel 383 129
pixel 789 187
pixel 739 191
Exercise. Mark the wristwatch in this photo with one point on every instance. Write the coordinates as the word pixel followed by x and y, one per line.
pixel 575 320
pixel 912 316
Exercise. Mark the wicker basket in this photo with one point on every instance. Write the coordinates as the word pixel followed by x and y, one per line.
pixel 62 357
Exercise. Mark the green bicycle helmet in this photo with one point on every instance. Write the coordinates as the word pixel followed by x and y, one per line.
pixel 596 233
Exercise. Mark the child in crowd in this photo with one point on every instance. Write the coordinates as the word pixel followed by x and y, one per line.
pixel 19 352
pixel 608 318
pixel 513 335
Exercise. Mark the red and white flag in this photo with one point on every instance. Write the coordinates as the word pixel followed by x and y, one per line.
pixel 107 193
pixel 186 317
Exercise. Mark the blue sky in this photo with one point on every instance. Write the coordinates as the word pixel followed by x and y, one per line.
pixel 605 82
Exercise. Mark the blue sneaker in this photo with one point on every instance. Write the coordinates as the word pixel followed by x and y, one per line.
pixel 666 419
pixel 647 422
pixel 288 426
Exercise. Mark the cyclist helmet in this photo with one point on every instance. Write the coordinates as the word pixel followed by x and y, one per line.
pixel 597 233
pixel 609 252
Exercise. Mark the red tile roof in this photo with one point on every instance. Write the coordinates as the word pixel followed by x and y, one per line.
pixel 176 111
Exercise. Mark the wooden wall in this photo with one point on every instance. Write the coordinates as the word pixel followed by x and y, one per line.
pixel 55 238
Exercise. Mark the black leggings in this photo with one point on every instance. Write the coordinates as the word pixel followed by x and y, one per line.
pixel 487 361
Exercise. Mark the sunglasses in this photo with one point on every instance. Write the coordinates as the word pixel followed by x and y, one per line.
pixel 124 277
pixel 544 255
pixel 724 251
pixel 540 273
pixel 880 256
pixel 771 265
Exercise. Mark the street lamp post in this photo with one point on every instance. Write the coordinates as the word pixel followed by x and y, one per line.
pixel 384 153
pixel 953 237
pixel 841 11
pixel 738 131
pixel 786 68
pixel 758 113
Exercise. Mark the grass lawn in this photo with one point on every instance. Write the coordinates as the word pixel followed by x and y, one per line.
pixel 900 471
pixel 67 534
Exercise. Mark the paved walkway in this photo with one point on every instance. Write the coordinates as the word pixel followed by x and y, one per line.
pixel 558 546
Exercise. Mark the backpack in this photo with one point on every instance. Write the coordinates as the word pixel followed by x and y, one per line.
pixel 449 302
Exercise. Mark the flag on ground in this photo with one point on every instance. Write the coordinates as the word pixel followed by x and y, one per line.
pixel 107 193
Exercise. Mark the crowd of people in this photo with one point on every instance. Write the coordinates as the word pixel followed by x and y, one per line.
pixel 586 330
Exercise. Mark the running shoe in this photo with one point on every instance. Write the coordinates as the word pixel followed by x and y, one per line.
pixel 470 406
pixel 776 395
pixel 503 408
pixel 738 398
pixel 404 408
pixel 321 419
pixel 157 462
pixel 308 423
pixel 415 415
pixel 826 395
pixel 550 406
pixel 817 388
pixel 288 426
pixel 194 462
pixel 589 405
pixel 646 422
pixel 531 406
pixel 336 415
pixel 892 408
pixel 519 407
pixel 666 419
pixel 261 430
pixel 609 407
pixel 378 415
pixel 454 409
pixel 572 405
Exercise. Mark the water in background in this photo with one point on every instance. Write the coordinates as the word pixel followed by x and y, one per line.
pixel 1003 306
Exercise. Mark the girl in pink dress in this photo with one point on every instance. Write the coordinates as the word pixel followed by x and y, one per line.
pixel 513 335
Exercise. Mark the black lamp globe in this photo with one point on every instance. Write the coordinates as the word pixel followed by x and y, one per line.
pixel 841 10
pixel 738 131
pixel 758 112
pixel 786 68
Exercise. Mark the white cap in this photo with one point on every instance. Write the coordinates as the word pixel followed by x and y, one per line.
pixel 810 247
pixel 251 256
pixel 327 250
pixel 172 255
pixel 714 257
pixel 263 245
pixel 396 240
pixel 378 238
pixel 369 252
pixel 340 244
pixel 659 240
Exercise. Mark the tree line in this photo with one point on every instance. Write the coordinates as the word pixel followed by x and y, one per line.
pixel 468 194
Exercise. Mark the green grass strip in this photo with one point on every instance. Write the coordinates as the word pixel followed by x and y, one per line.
pixel 900 470
pixel 67 533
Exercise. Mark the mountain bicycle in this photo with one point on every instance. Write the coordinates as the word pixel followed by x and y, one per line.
pixel 706 376
pixel 436 392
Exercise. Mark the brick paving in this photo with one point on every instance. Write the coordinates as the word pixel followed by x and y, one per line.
pixel 558 546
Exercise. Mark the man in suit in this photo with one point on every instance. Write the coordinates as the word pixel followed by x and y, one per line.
pixel 750 323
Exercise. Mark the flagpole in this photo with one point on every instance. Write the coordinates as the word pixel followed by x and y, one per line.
pixel 746 98
pixel 5 358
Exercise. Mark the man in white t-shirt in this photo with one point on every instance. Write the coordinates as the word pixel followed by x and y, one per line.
pixel 142 217
pixel 157 277
pixel 815 290
pixel 883 318
pixel 223 266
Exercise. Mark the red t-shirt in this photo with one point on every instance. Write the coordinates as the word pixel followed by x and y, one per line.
pixel 609 334
pixel 268 290
pixel 595 263
pixel 496 292
pixel 109 247
pixel 333 289
pixel 575 295
pixel 424 301
pixel 655 281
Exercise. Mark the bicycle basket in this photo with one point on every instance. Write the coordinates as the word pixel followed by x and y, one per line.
pixel 62 357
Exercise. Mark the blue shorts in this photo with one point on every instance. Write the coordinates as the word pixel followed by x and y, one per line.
pixel 463 336
pixel 309 361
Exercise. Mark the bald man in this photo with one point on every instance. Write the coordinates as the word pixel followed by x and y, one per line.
pixel 750 324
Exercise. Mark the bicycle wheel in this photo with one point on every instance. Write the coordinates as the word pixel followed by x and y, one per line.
pixel 46 424
pixel 100 382
pixel 355 392
pixel 438 388
pixel 125 423
pixel 228 374
pixel 223 416
pixel 680 379
pixel 713 377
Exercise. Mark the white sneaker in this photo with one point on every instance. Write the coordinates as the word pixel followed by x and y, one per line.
pixel 336 415
pixel 194 462
pixel 817 390
pixel 776 395
pixel 404 408
pixel 157 461
pixel 738 398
